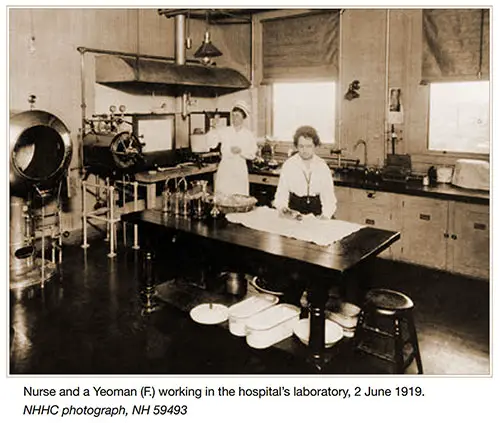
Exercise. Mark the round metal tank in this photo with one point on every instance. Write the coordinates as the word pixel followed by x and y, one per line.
pixel 40 151
pixel 110 152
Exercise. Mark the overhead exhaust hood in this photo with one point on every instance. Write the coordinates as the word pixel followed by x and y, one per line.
pixel 139 73
pixel 170 76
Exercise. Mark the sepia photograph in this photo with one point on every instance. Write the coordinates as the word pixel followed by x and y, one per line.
pixel 228 191
pixel 395 100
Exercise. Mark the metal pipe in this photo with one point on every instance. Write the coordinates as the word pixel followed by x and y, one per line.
pixel 111 222
pixel 386 93
pixel 184 105
pixel 100 218
pixel 180 38
pixel 128 54
pixel 339 96
pixel 84 214
pixel 252 53
pixel 42 283
pixel 108 213
pixel 59 238
pixel 124 203
pixel 83 105
pixel 136 229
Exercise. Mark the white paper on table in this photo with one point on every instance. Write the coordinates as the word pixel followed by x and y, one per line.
pixel 310 228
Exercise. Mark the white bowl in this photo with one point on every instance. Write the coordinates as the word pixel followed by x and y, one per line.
pixel 209 314
pixel 333 332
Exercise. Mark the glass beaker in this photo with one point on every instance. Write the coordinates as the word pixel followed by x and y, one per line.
pixel 183 197
pixel 199 199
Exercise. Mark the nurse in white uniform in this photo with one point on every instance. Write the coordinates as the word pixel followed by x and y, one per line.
pixel 238 144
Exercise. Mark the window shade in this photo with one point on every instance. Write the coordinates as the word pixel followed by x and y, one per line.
pixel 301 47
pixel 456 45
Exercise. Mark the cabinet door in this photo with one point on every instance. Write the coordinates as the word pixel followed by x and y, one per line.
pixel 424 236
pixel 343 195
pixel 470 239
pixel 379 209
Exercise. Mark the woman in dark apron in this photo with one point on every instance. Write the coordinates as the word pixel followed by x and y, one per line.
pixel 305 187
pixel 306 182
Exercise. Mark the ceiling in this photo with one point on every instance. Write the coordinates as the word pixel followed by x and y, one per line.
pixel 216 16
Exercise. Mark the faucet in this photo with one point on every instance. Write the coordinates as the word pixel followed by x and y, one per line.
pixel 358 143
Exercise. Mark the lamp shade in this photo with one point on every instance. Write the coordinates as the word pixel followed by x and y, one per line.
pixel 207 49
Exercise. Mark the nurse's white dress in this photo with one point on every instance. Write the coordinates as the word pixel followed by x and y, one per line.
pixel 232 173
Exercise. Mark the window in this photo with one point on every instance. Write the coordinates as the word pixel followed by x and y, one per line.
pixel 304 103
pixel 459 117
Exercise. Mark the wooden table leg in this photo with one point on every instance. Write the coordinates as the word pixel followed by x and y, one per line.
pixel 318 296
pixel 149 304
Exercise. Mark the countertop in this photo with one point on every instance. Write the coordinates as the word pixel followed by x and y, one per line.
pixel 440 190
pixel 186 169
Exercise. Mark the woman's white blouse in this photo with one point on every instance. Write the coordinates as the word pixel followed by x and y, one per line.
pixel 294 179
pixel 229 137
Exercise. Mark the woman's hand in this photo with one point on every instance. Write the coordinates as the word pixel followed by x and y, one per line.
pixel 235 149
pixel 290 214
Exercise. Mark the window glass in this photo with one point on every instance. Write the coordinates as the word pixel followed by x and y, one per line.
pixel 304 103
pixel 459 118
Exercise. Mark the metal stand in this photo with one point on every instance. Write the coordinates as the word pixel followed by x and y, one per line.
pixel 107 211
pixel 135 186
pixel 39 270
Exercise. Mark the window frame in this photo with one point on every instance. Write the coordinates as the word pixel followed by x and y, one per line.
pixel 418 146
pixel 270 107
pixel 452 152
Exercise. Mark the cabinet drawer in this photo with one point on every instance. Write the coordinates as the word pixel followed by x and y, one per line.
pixel 263 179
pixel 376 198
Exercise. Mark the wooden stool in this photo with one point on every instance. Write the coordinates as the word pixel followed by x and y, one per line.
pixel 388 315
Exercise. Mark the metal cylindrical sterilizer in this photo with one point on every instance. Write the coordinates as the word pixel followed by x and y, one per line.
pixel 40 154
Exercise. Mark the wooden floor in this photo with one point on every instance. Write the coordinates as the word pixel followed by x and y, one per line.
pixel 89 320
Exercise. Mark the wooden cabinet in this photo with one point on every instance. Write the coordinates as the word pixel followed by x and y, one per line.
pixel 446 235
pixel 423 237
pixel 380 209
pixel 343 211
pixel 441 234
pixel 469 239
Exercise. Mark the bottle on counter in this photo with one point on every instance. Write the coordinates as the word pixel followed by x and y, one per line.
pixel 166 198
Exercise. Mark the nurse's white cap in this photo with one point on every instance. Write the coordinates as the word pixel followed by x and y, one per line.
pixel 240 104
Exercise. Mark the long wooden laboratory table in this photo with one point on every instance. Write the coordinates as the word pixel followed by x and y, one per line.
pixel 352 251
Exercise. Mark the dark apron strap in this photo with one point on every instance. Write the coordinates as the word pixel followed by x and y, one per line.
pixel 306 204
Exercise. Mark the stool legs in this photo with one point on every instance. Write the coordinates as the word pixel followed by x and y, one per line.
pixel 398 347
pixel 397 338
pixel 414 343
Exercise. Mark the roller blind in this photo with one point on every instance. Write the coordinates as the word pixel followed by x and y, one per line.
pixel 301 47
pixel 456 45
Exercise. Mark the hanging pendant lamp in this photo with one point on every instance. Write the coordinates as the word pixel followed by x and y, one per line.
pixel 207 50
